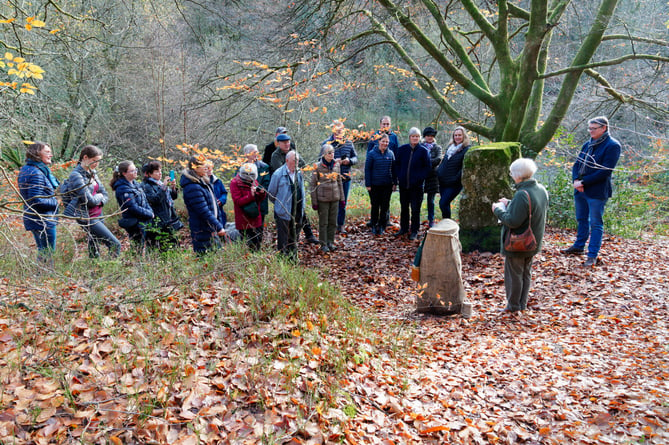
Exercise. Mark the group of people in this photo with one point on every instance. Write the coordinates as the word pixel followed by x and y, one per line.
pixel 419 167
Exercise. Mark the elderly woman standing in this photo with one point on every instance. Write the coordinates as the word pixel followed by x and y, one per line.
pixel 527 208
pixel 327 191
pixel 201 204
pixel 37 186
pixel 247 196
pixel 413 165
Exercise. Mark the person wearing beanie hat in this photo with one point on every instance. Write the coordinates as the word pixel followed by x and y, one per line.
pixel 247 195
pixel 432 181
pixel 591 175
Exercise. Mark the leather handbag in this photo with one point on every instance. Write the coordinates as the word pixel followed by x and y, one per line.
pixel 523 242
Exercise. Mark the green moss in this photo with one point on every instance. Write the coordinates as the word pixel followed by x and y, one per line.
pixel 499 153
pixel 484 239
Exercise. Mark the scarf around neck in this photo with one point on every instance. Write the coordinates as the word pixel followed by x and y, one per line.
pixel 41 166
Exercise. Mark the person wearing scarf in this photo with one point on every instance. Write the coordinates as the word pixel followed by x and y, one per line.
pixel 201 205
pixel 327 192
pixel 37 186
pixel 449 171
pixel 591 175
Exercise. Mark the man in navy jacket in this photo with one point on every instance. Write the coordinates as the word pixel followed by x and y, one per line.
pixel 591 174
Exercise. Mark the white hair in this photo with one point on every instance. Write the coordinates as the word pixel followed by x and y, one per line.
pixel 522 169
pixel 414 130
pixel 250 148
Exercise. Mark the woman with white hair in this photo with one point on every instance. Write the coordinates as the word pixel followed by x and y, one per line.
pixel 527 209
pixel 264 176
pixel 247 195
pixel 327 191
pixel 413 166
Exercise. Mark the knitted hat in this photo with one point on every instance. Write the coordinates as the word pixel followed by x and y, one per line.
pixel 248 172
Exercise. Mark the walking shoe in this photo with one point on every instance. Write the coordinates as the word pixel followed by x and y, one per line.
pixel 332 247
pixel 324 249
pixel 341 229
pixel 313 240
pixel 413 236
pixel 590 262
pixel 572 251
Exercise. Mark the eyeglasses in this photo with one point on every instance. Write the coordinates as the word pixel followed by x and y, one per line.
pixel 134 170
pixel 595 128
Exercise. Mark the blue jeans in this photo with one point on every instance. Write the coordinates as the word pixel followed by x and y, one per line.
pixel 447 195
pixel 341 214
pixel 46 242
pixel 99 233
pixel 589 216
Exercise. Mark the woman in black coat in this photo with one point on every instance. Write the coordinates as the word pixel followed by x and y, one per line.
pixel 137 213
pixel 449 171
pixel 432 180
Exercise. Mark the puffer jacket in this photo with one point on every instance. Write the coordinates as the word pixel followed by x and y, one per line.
pixel 326 183
pixel 38 192
pixel 201 205
pixel 82 184
pixel 132 202
pixel 221 194
pixel 343 150
pixel 449 171
pixel 432 180
pixel 380 168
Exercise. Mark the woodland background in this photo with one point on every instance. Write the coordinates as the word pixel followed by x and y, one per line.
pixel 247 348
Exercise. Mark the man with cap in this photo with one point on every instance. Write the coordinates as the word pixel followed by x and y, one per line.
pixel 432 180
pixel 591 174
pixel 278 160
pixel 272 146
pixel 284 145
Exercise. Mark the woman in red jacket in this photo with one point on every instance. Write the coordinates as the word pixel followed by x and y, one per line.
pixel 247 195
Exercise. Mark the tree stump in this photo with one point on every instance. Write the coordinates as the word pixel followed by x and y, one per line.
pixel 485 179
pixel 441 272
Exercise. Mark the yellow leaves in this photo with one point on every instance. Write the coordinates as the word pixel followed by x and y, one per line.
pixel 7 20
pixel 22 69
pixel 33 22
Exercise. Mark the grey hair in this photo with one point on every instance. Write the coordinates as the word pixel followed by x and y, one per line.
pixel 250 148
pixel 522 169
pixel 414 130
pixel 292 154
pixel 599 120
pixel 325 148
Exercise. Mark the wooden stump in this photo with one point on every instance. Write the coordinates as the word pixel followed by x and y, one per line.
pixel 441 272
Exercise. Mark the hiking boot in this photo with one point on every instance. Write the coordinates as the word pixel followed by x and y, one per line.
pixel 313 240
pixel 325 249
pixel 590 262
pixel 572 251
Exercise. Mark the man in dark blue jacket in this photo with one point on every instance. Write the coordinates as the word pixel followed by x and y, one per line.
pixel 591 174
pixel 413 164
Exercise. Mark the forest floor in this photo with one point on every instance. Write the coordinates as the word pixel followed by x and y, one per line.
pixel 586 363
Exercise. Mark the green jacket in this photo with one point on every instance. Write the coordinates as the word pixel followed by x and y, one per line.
pixel 516 217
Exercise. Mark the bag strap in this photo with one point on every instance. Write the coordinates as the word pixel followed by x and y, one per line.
pixel 529 201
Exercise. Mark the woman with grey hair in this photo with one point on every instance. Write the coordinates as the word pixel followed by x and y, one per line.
pixel 327 191
pixel 247 195
pixel 413 165
pixel 527 208
pixel 264 176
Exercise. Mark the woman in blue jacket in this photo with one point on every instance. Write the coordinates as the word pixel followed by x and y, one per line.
pixel 379 181
pixel 137 212
pixel 201 205
pixel 37 186
pixel 161 196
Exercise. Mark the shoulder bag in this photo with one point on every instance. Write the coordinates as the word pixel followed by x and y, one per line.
pixel 524 242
